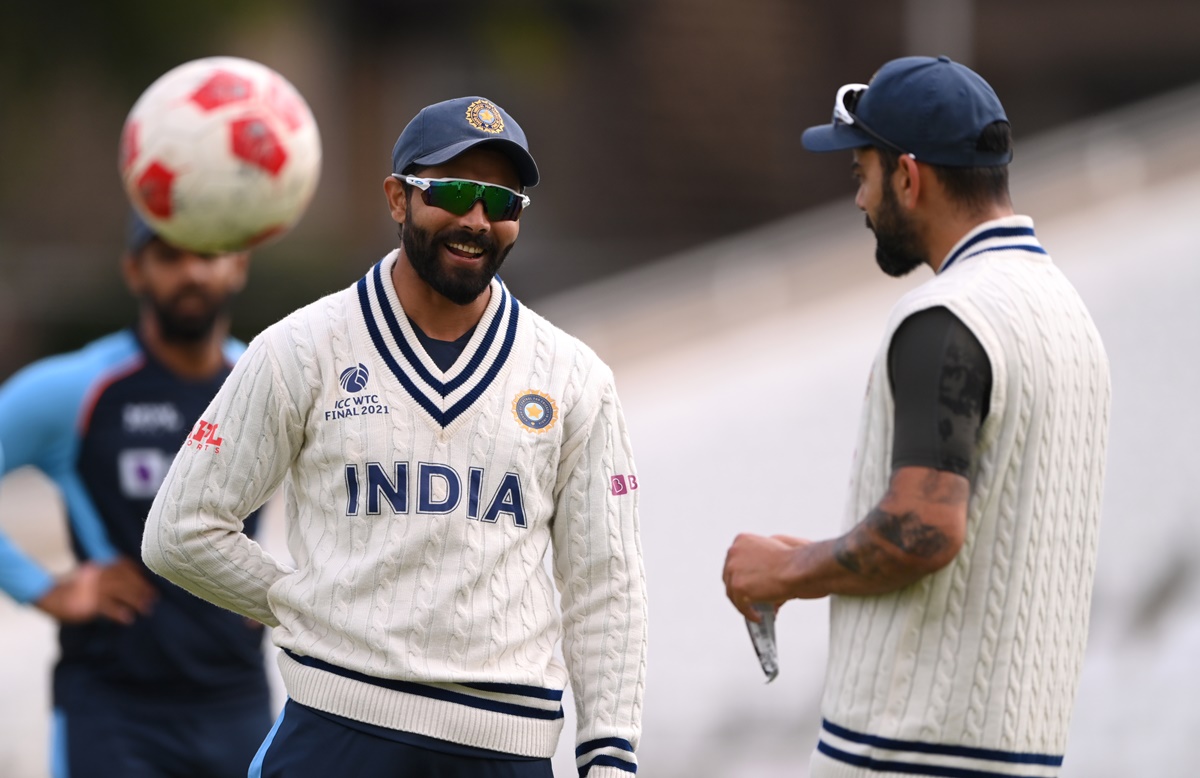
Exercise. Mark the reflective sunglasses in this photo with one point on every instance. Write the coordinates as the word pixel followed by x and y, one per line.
pixel 843 113
pixel 459 195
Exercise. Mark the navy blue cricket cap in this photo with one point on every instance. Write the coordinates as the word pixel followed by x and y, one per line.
pixel 442 131
pixel 138 233
pixel 932 108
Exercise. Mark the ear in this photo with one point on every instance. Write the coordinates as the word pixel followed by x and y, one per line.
pixel 907 181
pixel 131 271
pixel 397 202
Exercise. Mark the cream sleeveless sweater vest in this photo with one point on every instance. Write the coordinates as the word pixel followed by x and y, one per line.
pixel 972 671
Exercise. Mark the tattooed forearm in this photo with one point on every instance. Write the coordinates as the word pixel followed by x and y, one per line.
pixel 860 554
pixel 908 533
pixel 861 550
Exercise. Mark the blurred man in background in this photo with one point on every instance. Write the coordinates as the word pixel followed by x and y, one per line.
pixel 962 588
pixel 437 438
pixel 151 682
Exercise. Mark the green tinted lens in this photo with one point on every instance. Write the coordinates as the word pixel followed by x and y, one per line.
pixel 500 204
pixel 458 197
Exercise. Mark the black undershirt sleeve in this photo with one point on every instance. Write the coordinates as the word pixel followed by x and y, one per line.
pixel 941 380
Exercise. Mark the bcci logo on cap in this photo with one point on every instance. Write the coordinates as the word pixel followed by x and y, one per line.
pixel 483 115
pixel 354 379
pixel 535 411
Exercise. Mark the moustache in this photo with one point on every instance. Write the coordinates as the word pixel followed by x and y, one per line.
pixel 196 292
pixel 478 240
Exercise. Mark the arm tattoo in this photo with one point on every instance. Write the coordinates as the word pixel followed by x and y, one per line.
pixel 907 532
pixel 858 555
pixel 942 490
pixel 859 552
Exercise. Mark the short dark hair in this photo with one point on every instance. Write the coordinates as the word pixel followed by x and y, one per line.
pixel 975 188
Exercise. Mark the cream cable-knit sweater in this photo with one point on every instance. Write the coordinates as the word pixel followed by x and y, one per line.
pixel 420 506
pixel 972 671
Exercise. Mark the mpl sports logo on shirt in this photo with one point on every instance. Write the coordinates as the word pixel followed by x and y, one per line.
pixel 204 437
pixel 354 379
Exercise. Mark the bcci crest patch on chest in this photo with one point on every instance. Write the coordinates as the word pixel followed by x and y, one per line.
pixel 535 411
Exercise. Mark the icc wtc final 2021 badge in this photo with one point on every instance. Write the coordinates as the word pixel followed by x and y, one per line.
pixel 535 411
pixel 482 115
pixel 354 379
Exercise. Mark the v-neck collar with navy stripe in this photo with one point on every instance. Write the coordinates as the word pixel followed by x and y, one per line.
pixel 444 396
pixel 1012 233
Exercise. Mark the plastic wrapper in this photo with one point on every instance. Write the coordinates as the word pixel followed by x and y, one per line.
pixel 762 635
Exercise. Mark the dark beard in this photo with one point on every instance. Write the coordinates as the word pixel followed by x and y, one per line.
pixel 176 327
pixel 897 248
pixel 459 286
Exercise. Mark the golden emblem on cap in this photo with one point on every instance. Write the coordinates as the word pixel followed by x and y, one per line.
pixel 484 115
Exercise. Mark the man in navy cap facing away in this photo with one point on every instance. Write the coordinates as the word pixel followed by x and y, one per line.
pixel 150 681
pixel 961 586
pixel 436 437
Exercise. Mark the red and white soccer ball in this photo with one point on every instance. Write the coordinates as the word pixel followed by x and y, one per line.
pixel 220 154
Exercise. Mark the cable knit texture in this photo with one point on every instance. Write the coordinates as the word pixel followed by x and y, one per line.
pixel 420 507
pixel 982 659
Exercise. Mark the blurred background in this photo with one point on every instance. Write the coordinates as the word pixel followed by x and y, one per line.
pixel 681 231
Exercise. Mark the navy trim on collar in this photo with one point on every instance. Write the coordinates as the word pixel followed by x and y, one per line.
pixel 407 366
pixel 411 356
pixel 993 233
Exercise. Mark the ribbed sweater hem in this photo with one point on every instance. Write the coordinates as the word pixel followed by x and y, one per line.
pixel 822 766
pixel 406 712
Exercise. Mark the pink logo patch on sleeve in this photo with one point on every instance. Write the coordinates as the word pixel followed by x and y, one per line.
pixel 623 484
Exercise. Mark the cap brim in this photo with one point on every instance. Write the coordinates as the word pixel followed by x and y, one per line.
pixel 138 234
pixel 523 161
pixel 834 137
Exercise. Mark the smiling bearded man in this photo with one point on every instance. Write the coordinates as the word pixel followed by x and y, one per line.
pixel 437 437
